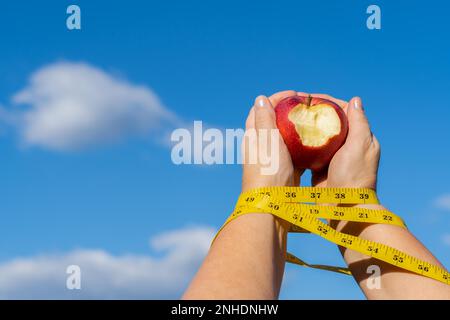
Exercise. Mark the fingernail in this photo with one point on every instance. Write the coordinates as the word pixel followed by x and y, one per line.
pixel 261 101
pixel 357 104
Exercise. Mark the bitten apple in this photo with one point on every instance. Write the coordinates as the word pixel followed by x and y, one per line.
pixel 313 129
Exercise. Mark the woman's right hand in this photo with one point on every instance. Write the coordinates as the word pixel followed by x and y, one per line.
pixel 355 164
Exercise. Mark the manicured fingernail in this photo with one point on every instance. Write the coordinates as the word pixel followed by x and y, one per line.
pixel 261 101
pixel 357 104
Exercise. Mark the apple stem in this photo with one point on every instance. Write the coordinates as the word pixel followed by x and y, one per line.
pixel 308 100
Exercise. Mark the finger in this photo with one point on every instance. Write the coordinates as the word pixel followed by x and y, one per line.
pixel 359 129
pixel 339 102
pixel 264 114
pixel 375 141
pixel 277 97
pixel 376 144
pixel 250 122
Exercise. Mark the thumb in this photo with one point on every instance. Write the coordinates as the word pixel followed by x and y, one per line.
pixel 264 114
pixel 358 125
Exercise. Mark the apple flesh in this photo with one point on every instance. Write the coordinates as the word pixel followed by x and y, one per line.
pixel 313 130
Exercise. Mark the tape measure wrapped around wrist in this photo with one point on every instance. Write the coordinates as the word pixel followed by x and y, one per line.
pixel 303 207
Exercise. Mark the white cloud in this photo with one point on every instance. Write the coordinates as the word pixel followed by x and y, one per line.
pixel 443 202
pixel 446 239
pixel 106 276
pixel 74 105
pixel 69 106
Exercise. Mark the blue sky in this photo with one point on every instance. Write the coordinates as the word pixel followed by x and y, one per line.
pixel 208 62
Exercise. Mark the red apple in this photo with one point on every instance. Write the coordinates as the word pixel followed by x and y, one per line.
pixel 313 129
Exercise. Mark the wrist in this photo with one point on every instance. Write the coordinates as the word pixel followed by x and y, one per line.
pixel 259 227
pixel 369 182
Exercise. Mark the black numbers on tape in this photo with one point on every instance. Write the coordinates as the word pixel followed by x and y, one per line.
pixel 338 213
pixel 303 220
pixel 273 206
pixel 372 249
pixel 322 229
pixel 315 195
pixel 363 196
pixel 291 195
pixel 346 241
pixel 423 268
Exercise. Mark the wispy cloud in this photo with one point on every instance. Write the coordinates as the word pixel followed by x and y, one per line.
pixel 106 276
pixel 71 106
pixel 443 202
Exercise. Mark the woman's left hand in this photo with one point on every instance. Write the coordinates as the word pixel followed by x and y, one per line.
pixel 266 161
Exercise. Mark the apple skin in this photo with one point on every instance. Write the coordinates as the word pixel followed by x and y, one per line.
pixel 308 157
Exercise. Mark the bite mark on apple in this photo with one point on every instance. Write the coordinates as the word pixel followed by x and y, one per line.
pixel 316 124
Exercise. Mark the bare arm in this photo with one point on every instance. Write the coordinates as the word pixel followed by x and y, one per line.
pixel 246 261
pixel 395 283
pixel 247 258
pixel 356 165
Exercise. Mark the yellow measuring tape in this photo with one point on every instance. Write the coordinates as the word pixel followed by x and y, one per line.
pixel 298 205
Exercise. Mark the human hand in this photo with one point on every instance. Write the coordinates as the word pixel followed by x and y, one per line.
pixel 263 139
pixel 355 164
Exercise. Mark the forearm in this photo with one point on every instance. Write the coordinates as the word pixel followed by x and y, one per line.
pixel 246 261
pixel 396 283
